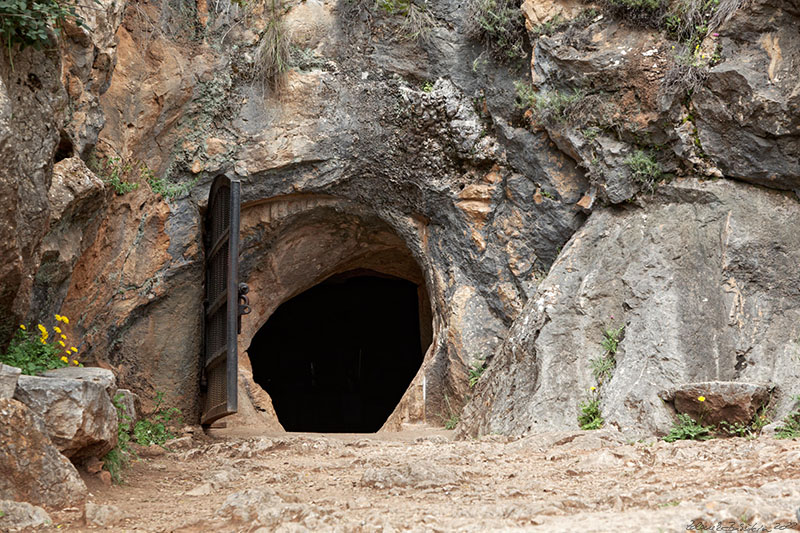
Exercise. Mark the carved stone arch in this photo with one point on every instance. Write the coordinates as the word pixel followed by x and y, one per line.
pixel 290 244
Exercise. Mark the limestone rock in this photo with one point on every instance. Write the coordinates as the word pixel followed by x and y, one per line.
pixel 102 515
pixel 419 474
pixel 129 402
pixel 746 112
pixel 21 515
pixel 732 402
pixel 76 198
pixel 103 377
pixel 31 468
pixel 706 292
pixel 245 506
pixel 81 420
pixel 9 375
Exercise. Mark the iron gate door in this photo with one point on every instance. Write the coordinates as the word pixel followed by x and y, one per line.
pixel 221 306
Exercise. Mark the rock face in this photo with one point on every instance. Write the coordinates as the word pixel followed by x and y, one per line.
pixel 412 157
pixel 80 418
pixel 723 401
pixel 9 375
pixel 48 111
pixel 704 290
pixel 31 468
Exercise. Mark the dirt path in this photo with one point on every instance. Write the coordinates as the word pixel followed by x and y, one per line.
pixel 423 481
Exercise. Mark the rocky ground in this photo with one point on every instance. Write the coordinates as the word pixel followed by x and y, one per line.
pixel 422 480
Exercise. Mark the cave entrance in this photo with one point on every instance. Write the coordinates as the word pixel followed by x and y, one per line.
pixel 338 357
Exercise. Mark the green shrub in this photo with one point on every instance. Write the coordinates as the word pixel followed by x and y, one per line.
pixel 116 172
pixel 590 417
pixel 35 353
pixel 162 187
pixel 686 428
pixel 156 428
pixel 548 106
pixel 791 424
pixel 26 22
pixel 644 169
pixel 500 25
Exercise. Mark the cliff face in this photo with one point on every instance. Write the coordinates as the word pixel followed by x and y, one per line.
pixel 424 156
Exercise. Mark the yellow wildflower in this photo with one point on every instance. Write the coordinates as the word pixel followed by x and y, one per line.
pixel 701 398
pixel 64 358
pixel 75 362
pixel 593 388
pixel 42 328
pixel 58 317
pixel 74 349
pixel 43 341
pixel 63 336
pixel 62 344
pixel 65 320
pixel 22 327
pixel 57 329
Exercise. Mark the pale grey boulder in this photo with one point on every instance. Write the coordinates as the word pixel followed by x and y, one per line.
pixel 80 418
pixel 20 515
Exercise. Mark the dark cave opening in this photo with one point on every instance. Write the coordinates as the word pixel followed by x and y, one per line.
pixel 338 357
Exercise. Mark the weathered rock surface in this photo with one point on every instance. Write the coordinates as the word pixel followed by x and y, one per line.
pixel 31 468
pixel 92 374
pixel 102 515
pixel 80 418
pixel 9 375
pixel 728 401
pixel 21 515
pixel 419 474
pixel 129 402
pixel 746 112
pixel 706 291
pixel 48 112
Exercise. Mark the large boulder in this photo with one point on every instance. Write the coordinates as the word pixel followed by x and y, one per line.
pixel 705 290
pixel 77 410
pixel 722 401
pixel 31 468
pixel 8 380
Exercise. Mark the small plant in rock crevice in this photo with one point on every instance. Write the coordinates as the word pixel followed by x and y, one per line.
pixel 450 418
pixel 644 168
pixel 790 428
pixel 476 371
pixel 500 25
pixel 272 57
pixel 547 106
pixel 603 367
pixel 590 417
pixel 602 370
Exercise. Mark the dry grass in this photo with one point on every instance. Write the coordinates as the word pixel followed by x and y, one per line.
pixel 272 58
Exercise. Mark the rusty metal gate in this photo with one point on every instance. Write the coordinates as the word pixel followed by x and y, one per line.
pixel 221 305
